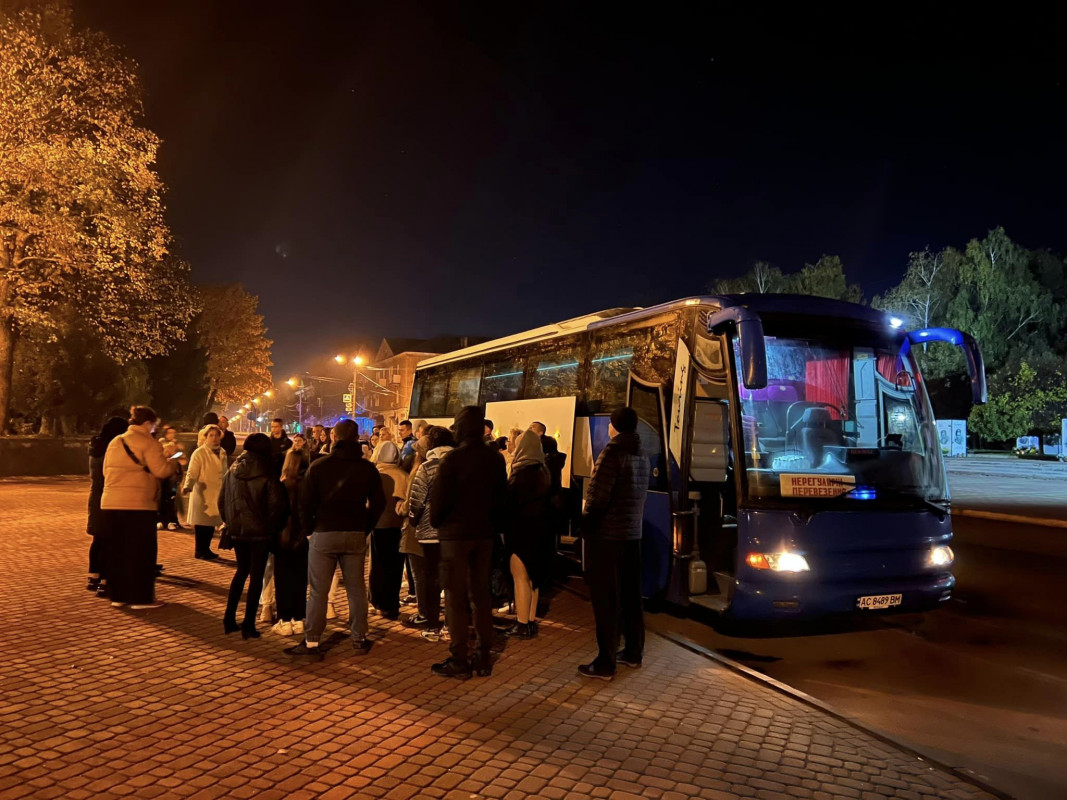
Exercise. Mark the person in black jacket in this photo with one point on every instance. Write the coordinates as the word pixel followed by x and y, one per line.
pixel 279 445
pixel 116 426
pixel 254 507
pixel 468 502
pixel 229 441
pixel 340 501
pixel 529 536
pixel 611 530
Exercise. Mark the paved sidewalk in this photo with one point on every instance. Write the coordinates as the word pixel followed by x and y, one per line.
pixel 100 703
pixel 1008 485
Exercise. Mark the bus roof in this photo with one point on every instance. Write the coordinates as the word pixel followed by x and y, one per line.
pixel 760 303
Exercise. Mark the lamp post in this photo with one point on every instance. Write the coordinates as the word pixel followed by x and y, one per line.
pixel 297 385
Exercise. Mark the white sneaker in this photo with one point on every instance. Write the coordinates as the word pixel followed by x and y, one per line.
pixel 282 628
pixel 298 627
pixel 330 613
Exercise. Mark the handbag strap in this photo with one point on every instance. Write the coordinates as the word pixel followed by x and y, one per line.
pixel 129 452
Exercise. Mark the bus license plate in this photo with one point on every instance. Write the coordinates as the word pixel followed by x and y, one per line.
pixel 874 602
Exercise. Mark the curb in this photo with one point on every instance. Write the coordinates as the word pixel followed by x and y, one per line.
pixel 782 688
pixel 998 516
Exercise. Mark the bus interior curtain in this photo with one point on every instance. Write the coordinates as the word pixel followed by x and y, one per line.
pixel 827 382
pixel 889 366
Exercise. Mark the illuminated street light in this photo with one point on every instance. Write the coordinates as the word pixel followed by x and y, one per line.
pixel 291 382
pixel 268 393
pixel 256 400
pixel 358 361
pixel 339 359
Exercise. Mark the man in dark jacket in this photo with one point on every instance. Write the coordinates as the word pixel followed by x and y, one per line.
pixel 229 441
pixel 611 530
pixel 468 502
pixel 279 444
pixel 254 506
pixel 340 501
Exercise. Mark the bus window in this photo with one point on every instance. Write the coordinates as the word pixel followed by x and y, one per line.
pixel 463 389
pixel 433 392
pixel 502 380
pixel 556 374
pixel 609 372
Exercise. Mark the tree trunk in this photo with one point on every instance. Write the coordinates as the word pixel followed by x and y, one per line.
pixel 8 337
pixel 48 425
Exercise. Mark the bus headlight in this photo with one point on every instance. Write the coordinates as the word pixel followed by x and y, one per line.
pixel 778 562
pixel 941 556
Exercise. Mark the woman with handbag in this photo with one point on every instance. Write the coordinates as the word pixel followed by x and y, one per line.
pixel 387 563
pixel 291 553
pixel 204 481
pixel 133 468
pixel 253 505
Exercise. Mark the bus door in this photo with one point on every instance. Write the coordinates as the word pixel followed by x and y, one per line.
pixel 712 488
pixel 647 400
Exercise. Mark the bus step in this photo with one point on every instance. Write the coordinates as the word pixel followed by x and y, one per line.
pixel 713 602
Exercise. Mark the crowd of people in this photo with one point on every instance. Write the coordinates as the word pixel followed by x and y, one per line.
pixel 452 509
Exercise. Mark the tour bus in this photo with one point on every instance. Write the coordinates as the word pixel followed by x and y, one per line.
pixel 796 471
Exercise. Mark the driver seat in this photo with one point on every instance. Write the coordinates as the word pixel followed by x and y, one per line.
pixel 816 433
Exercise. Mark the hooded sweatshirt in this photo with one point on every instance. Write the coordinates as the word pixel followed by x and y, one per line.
pixel 469 498
pixel 252 502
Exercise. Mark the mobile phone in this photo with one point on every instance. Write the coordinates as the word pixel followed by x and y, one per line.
pixel 179 454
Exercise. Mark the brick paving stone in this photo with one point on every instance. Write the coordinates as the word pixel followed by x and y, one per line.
pixel 104 703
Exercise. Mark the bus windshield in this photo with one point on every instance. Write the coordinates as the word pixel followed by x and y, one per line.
pixel 840 423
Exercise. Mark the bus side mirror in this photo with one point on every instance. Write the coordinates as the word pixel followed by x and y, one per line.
pixel 971 351
pixel 749 340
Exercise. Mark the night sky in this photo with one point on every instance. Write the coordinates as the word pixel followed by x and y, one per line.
pixel 412 169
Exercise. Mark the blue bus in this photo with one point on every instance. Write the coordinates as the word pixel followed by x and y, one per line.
pixel 796 469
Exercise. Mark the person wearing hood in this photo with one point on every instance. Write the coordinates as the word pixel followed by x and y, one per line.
pixel 528 537
pixel 611 531
pixel 386 563
pixel 116 426
pixel 133 467
pixel 421 448
pixel 254 507
pixel 427 567
pixel 340 502
pixel 468 504
pixel 203 481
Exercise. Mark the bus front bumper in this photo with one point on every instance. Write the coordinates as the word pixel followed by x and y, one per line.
pixel 767 600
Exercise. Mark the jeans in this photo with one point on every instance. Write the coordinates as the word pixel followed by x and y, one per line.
pixel 251 562
pixel 202 536
pixel 427 569
pixel 614 577
pixel 291 583
pixel 465 567
pixel 326 551
pixel 386 569
pixel 131 553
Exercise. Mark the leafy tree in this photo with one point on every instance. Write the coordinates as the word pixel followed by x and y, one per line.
pixel 81 212
pixel 231 333
pixel 996 298
pixel 1021 403
pixel 825 278
pixel 763 278
pixel 923 293
pixel 178 382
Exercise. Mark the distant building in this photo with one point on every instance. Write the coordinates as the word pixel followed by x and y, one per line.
pixel 385 383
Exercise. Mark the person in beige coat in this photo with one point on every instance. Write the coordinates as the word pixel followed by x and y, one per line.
pixel 203 481
pixel 134 465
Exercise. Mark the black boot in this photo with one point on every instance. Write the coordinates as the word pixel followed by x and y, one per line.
pixel 452 669
pixel 230 625
pixel 520 630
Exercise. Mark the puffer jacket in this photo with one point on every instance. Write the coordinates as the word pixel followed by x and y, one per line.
pixel 130 485
pixel 615 496
pixel 419 497
pixel 253 503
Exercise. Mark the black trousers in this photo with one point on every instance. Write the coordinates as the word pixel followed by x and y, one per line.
pixel 613 572
pixel 98 553
pixel 251 564
pixel 131 552
pixel 202 534
pixel 427 568
pixel 386 569
pixel 168 511
pixel 465 567
pixel 291 582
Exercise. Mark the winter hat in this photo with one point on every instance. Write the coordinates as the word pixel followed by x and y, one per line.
pixel 624 420
pixel 259 444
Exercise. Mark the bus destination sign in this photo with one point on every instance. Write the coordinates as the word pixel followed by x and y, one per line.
pixel 806 485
